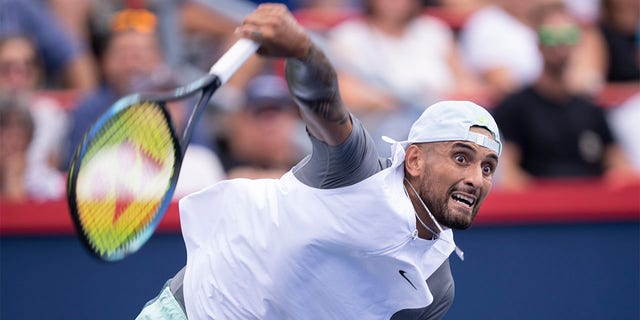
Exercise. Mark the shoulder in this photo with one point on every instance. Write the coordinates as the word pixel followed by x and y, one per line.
pixel 587 103
pixel 487 16
pixel 517 100
pixel 427 21
pixel 492 22
pixel 331 167
pixel 429 26
pixel 588 109
pixel 99 99
pixel 348 27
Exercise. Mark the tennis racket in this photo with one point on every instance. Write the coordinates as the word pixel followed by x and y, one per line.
pixel 125 170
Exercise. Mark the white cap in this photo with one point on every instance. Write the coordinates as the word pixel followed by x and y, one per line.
pixel 452 121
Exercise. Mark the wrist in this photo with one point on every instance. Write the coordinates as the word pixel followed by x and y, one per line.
pixel 305 50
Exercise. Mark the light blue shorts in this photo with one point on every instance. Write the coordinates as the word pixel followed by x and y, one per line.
pixel 163 307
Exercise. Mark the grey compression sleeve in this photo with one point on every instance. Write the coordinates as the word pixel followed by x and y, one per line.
pixel 337 166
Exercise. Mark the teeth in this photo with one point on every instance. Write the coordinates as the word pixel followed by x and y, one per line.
pixel 464 199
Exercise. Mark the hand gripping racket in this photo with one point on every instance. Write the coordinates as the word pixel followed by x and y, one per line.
pixel 125 170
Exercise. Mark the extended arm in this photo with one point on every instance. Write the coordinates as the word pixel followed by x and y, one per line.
pixel 312 80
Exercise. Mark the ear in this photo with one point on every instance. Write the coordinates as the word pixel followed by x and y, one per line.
pixel 414 161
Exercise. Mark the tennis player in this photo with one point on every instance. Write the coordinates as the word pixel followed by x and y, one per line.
pixel 344 234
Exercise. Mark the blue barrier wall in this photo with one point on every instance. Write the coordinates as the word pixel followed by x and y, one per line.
pixel 583 271
pixel 548 272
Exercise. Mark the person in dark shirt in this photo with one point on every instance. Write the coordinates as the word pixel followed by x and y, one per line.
pixel 619 24
pixel 549 131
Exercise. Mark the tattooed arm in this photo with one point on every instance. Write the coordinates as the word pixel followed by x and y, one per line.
pixel 314 86
pixel 312 80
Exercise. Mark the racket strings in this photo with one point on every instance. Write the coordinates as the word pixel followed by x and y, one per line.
pixel 125 177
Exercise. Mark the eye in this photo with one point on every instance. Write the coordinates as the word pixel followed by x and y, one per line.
pixel 460 158
pixel 487 169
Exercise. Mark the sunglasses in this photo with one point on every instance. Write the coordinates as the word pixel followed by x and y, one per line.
pixel 551 37
pixel 139 20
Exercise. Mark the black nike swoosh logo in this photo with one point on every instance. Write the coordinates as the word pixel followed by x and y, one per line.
pixel 402 272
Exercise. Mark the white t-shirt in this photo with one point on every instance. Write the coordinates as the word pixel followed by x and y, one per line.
pixel 624 123
pixel 413 66
pixel 278 249
pixel 201 168
pixel 43 181
pixel 492 38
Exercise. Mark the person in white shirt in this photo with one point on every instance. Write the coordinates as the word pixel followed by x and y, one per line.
pixel 499 45
pixel 394 60
pixel 344 234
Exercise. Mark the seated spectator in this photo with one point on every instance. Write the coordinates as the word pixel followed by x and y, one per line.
pixel 624 123
pixel 20 75
pixel 549 131
pixel 394 61
pixel 131 55
pixel 264 137
pixel 21 180
pixel 619 23
pixel 66 60
pixel 500 45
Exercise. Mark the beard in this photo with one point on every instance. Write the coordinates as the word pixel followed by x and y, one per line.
pixel 438 204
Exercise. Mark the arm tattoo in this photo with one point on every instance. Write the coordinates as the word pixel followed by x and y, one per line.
pixel 313 83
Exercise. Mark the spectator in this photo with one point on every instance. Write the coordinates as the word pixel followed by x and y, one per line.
pixel 261 139
pixel 549 131
pixel 67 62
pixel 624 123
pixel 20 75
pixel 20 179
pixel 394 61
pixel 500 45
pixel 131 55
pixel 192 34
pixel 619 23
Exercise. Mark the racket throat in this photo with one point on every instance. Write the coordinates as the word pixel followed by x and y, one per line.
pixel 197 112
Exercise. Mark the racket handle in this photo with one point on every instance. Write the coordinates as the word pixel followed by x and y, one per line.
pixel 231 61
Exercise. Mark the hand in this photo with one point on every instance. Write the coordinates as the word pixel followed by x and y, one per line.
pixel 277 32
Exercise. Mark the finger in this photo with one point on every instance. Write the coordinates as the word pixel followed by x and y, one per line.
pixel 267 14
pixel 263 13
pixel 270 7
pixel 256 35
pixel 248 31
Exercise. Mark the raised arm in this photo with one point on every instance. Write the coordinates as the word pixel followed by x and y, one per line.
pixel 312 79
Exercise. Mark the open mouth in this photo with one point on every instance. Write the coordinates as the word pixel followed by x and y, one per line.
pixel 466 200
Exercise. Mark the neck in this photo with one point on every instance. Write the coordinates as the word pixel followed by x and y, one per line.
pixel 553 87
pixel 425 223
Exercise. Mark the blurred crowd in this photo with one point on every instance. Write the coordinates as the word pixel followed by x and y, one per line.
pixel 538 65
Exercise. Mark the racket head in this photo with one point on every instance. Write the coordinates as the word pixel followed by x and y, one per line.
pixel 123 176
